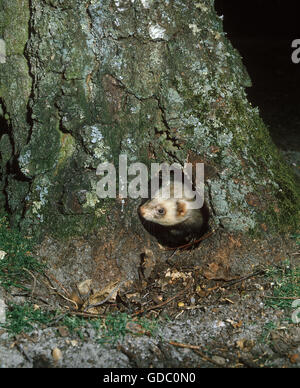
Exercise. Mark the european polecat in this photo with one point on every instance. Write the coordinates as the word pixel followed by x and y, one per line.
pixel 174 221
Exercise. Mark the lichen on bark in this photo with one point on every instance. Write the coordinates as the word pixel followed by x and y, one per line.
pixel 86 81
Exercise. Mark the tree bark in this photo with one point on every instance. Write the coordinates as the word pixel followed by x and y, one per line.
pixel 86 81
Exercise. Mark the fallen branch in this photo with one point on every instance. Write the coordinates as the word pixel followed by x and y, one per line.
pixel 181 345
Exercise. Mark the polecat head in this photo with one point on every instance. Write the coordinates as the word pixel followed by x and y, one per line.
pixel 171 204
pixel 165 212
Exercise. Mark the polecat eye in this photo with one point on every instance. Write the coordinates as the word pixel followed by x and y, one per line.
pixel 161 211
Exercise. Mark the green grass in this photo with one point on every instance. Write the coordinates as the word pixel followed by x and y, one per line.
pixel 18 263
pixel 118 325
pixel 296 237
pixel 286 286
pixel 266 332
pixel 25 318
pixel 75 324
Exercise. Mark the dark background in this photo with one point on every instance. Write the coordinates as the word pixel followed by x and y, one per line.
pixel 263 31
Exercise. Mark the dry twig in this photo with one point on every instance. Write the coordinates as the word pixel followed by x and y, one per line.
pixel 165 302
pixel 196 349
pixel 34 280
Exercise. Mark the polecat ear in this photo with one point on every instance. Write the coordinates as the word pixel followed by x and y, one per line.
pixel 181 208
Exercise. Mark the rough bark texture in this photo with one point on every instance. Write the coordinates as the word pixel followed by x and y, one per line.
pixel 85 81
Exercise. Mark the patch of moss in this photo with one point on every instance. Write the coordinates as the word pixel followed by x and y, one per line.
pixel 18 262
pixel 14 18
pixel 284 214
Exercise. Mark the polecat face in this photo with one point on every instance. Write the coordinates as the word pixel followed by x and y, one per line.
pixel 165 212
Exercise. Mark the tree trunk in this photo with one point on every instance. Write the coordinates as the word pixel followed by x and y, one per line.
pixel 86 81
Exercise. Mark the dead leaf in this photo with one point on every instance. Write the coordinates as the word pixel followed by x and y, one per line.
pixel 234 242
pixel 217 272
pixel 175 274
pixel 84 287
pixel 240 343
pixel 214 149
pixel 264 227
pixel 294 358
pixel 76 299
pixel 63 331
pixel 238 324
pixel 157 298
pixel 106 294
pixel 245 344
